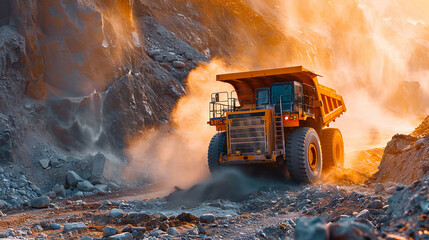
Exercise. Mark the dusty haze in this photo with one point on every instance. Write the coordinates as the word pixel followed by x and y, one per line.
pixel 372 53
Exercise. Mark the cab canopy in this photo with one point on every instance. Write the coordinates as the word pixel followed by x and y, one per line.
pixel 245 83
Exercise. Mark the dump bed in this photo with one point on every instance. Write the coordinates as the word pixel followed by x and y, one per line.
pixel 327 104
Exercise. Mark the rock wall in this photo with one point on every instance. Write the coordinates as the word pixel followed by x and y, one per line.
pixel 64 47
pixel 405 158
pixel 78 77
pixel 12 68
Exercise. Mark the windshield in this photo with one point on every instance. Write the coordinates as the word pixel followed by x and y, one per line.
pixel 284 90
pixel 262 98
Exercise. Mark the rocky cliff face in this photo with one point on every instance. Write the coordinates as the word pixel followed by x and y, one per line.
pixel 76 79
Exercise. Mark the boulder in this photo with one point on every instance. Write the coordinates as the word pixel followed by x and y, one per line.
pixel 85 186
pixel 73 178
pixel 74 226
pixel 311 229
pixel 40 202
pixel 122 236
pixel 351 229
pixel 55 226
pixel 44 163
pixel 59 190
pixel 186 217
pixel 208 218
pixel 99 164
pixel 153 53
pixel 173 231
pixel 399 143
pixel 170 57
pixel 421 142
pixel 101 188
pixel 376 204
pixel 179 64
pixel 78 194
pixel 109 231
pixel 116 213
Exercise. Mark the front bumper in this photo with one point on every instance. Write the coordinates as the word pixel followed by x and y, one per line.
pixel 248 159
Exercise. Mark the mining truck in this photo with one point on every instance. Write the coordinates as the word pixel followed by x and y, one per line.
pixel 276 117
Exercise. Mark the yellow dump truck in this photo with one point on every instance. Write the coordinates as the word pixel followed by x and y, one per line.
pixel 277 117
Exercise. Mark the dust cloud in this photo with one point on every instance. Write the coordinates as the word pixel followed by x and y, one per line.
pixel 374 53
pixel 371 52
pixel 176 155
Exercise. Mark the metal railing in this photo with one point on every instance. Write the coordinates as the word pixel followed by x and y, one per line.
pixel 219 105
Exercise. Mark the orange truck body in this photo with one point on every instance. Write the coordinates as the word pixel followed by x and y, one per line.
pixel 239 112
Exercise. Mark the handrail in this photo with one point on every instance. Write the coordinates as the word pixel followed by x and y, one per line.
pixel 219 109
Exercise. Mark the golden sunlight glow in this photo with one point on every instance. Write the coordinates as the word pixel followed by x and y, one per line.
pixel 374 53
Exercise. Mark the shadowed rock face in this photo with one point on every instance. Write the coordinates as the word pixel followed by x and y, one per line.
pixel 64 47
pixel 70 85
pixel 12 68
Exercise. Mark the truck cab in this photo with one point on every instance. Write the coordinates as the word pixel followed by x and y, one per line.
pixel 268 115
pixel 289 94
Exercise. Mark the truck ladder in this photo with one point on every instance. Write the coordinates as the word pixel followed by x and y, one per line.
pixel 279 133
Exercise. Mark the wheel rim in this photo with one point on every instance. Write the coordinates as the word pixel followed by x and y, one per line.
pixel 313 158
pixel 337 152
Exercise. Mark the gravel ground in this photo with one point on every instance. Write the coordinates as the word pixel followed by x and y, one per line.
pixel 271 210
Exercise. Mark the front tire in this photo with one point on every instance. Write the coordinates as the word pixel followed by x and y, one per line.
pixel 304 155
pixel 333 148
pixel 216 148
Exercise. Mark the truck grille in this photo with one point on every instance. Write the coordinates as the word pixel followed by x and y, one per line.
pixel 247 134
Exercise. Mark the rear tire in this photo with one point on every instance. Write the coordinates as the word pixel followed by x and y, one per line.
pixel 216 148
pixel 333 148
pixel 304 155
